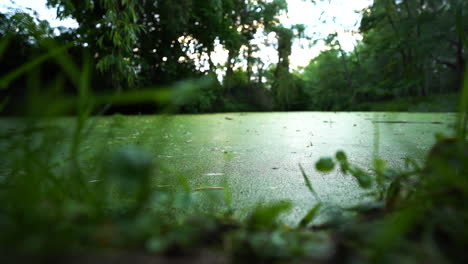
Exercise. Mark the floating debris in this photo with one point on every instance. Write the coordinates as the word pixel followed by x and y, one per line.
pixel 214 174
pixel 408 122
pixel 275 168
pixel 216 149
pixel 220 150
pixel 228 118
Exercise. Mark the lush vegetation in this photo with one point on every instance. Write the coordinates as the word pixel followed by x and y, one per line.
pixel 131 45
pixel 409 48
pixel 56 202
pixel 62 200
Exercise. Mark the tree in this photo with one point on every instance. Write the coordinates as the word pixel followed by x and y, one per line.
pixel 110 28
pixel 417 43
pixel 284 89
pixel 409 48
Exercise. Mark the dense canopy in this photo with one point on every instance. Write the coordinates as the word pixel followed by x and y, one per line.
pixel 411 48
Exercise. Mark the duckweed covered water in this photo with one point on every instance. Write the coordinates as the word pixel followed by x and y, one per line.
pixel 257 155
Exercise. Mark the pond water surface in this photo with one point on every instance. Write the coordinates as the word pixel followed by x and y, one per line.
pixel 258 154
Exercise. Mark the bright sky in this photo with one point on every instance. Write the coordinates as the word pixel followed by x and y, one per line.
pixel 40 7
pixel 321 19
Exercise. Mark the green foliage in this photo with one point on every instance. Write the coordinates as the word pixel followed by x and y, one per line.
pixel 325 165
pixel 132 44
pixel 309 184
pixel 266 217
pixel 409 48
pixel 309 217
pixel 57 201
pixel 111 204
pixel 112 29
pixel 326 83
pixel 285 89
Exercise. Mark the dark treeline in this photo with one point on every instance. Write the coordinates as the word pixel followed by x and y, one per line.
pixel 409 48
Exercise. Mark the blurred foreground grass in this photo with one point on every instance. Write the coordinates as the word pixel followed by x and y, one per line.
pixel 105 197
pixel 54 203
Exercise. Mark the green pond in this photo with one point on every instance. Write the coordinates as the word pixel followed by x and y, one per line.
pixel 257 155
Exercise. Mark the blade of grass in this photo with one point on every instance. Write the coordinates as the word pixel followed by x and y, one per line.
pixel 227 194
pixel 13 75
pixel 65 61
pixel 310 216
pixel 308 183
pixel 462 119
pixel 4 103
pixel 4 44
pixel 463 104
pixel 162 95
